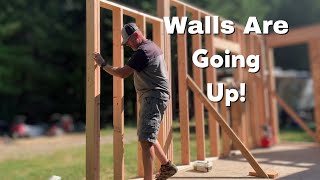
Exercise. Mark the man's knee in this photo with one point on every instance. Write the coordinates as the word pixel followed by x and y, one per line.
pixel 145 145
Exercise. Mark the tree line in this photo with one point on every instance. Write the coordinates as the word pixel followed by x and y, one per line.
pixel 42 51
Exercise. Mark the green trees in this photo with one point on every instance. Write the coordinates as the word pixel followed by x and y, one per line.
pixel 41 57
pixel 42 50
pixel 297 14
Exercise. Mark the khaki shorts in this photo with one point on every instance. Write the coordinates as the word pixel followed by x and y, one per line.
pixel 150 117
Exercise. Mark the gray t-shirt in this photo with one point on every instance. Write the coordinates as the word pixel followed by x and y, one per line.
pixel 150 75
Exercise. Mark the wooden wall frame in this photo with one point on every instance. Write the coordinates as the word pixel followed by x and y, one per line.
pixel 306 35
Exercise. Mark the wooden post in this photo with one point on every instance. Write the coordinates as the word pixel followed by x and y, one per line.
pixel 198 106
pixel 226 141
pixel 242 78
pixel 249 96
pixel 252 100
pixel 260 91
pixel 256 102
pixel 183 92
pixel 272 101
pixel 236 121
pixel 157 32
pixel 221 35
pixel 140 161
pixel 244 71
pixel 264 69
pixel 163 9
pixel 246 154
pixel 141 23
pixel 236 114
pixel 314 47
pixel 212 78
pixel 233 37
pixel 92 91
pixel 118 95
pixel 237 73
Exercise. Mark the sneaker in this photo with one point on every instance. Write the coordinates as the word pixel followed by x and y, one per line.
pixel 167 171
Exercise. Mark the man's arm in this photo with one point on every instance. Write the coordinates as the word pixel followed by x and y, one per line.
pixel 122 72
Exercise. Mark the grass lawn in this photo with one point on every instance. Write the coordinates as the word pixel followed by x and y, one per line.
pixel 70 163
pixel 296 135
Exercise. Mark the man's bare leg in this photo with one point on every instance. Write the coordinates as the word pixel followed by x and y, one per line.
pixel 167 169
pixel 160 153
pixel 147 157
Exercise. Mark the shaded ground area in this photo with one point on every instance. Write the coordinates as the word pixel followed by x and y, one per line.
pixel 292 161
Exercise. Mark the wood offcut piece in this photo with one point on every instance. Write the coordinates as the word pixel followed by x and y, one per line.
pixel 270 174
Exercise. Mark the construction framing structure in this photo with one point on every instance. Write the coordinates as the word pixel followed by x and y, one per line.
pixel 241 124
pixel 310 36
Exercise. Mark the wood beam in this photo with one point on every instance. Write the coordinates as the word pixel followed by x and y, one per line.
pixel 223 44
pixel 261 118
pixel 237 117
pixel 244 76
pixel 191 8
pixel 92 91
pixel 118 97
pixel 198 106
pixel 272 100
pixel 163 9
pixel 157 34
pixel 127 11
pixel 293 37
pixel 252 98
pixel 183 92
pixel 314 48
pixel 225 114
pixel 241 78
pixel 141 23
pixel 212 78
